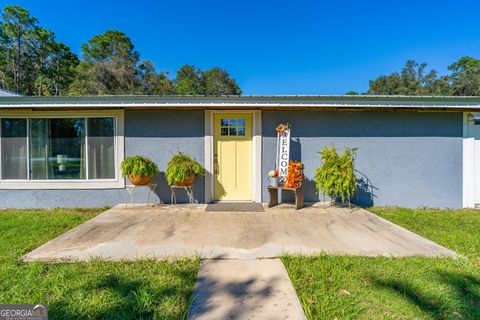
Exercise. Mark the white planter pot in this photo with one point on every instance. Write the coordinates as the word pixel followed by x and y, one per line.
pixel 273 181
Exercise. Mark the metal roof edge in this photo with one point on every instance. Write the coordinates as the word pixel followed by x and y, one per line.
pixel 174 100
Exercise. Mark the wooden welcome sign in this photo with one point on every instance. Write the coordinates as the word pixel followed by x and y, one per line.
pixel 283 150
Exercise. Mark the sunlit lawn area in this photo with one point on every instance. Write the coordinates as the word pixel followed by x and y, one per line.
pixel 340 287
pixel 329 287
pixel 94 290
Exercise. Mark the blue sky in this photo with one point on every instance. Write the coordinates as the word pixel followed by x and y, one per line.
pixel 277 47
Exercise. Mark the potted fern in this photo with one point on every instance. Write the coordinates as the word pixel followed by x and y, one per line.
pixel 139 170
pixel 336 176
pixel 182 170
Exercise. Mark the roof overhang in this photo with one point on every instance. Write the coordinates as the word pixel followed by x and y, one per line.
pixel 338 103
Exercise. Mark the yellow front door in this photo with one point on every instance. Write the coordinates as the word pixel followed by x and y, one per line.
pixel 232 156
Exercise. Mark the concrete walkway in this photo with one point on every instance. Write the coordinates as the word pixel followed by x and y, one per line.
pixel 185 230
pixel 244 289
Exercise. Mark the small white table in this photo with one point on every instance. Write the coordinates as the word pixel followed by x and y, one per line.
pixel 152 188
pixel 188 190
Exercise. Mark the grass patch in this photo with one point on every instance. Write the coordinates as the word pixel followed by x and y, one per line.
pixel 94 290
pixel 458 230
pixel 345 287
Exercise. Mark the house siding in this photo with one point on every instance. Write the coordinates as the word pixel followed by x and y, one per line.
pixel 404 159
pixel 408 159
pixel 157 134
pixel 160 134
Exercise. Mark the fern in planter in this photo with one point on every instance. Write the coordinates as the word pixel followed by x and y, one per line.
pixel 181 167
pixel 336 176
pixel 139 166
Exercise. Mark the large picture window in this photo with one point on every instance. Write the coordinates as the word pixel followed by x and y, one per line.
pixel 57 148
pixel 14 149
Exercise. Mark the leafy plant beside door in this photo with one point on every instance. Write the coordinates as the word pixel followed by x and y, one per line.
pixel 182 170
pixel 336 176
pixel 139 170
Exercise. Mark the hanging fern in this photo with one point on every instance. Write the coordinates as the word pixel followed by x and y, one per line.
pixel 336 176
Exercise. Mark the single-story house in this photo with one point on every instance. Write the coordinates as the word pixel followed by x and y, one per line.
pixel 67 151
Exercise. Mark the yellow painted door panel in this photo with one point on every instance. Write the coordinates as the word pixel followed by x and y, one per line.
pixel 233 156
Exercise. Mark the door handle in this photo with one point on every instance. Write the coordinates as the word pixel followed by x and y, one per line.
pixel 215 164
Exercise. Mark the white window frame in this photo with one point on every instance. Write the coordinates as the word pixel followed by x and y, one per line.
pixel 119 146
pixel 468 162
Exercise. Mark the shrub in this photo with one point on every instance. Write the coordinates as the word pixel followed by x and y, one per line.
pixel 139 166
pixel 181 166
pixel 336 176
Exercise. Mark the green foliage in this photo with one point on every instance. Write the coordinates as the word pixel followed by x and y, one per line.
pixel 188 80
pixel 151 82
pixel 31 60
pixel 110 66
pixel 466 77
pixel 191 80
pixel 412 80
pixel 464 80
pixel 61 68
pixel 336 176
pixel 111 45
pixel 139 166
pixel 217 81
pixel 464 63
pixel 181 166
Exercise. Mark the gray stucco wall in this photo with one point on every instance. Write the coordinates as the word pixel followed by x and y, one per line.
pixel 155 134
pixel 404 158
pixel 160 134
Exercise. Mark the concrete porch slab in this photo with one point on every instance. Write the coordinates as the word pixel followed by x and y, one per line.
pixel 187 230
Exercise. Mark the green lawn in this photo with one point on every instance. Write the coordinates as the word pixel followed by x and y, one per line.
pixel 94 290
pixel 340 287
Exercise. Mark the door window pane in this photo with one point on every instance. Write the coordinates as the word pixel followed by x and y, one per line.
pixel 101 153
pixel 232 127
pixel 14 148
pixel 57 148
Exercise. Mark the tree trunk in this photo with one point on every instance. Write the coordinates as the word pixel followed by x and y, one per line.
pixel 19 58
